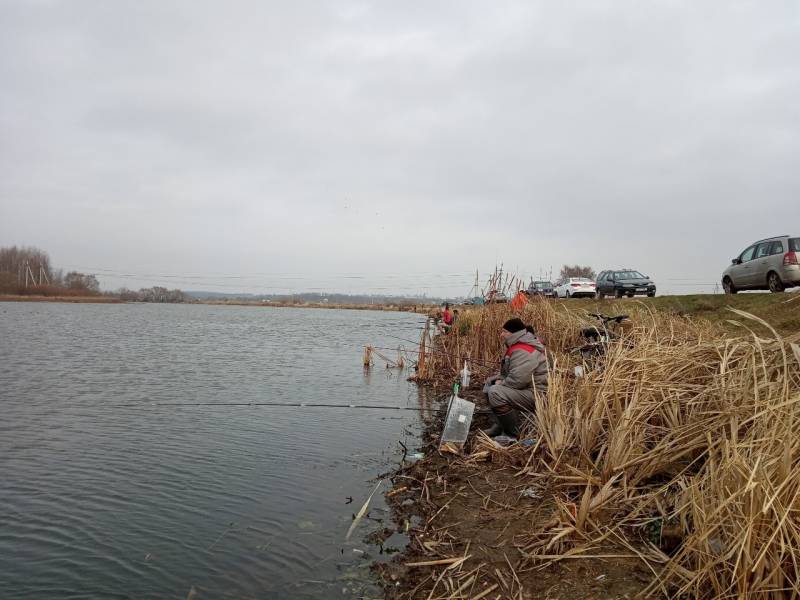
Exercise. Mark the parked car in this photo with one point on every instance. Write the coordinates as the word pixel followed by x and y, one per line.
pixel 496 297
pixel 770 264
pixel 575 287
pixel 625 282
pixel 541 288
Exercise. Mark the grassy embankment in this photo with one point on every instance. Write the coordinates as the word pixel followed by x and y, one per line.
pixel 782 311
pixel 678 451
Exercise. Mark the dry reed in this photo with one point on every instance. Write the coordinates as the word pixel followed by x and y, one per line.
pixel 678 430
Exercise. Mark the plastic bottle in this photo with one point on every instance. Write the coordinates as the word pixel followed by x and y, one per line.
pixel 465 377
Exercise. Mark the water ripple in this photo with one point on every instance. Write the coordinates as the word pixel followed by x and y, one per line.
pixel 144 501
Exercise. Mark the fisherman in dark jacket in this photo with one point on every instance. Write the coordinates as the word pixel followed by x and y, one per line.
pixel 524 367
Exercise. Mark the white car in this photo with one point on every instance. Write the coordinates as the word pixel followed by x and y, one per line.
pixel 575 287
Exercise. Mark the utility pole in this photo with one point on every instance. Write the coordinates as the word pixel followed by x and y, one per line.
pixel 43 275
pixel 33 277
pixel 475 290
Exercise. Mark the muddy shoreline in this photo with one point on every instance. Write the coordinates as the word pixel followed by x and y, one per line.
pixel 468 520
pixel 638 477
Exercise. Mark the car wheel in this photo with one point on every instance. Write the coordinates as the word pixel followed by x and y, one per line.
pixel 774 282
pixel 599 295
pixel 618 293
pixel 728 286
pixel 651 294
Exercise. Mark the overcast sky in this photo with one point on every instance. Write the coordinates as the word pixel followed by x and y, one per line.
pixel 396 146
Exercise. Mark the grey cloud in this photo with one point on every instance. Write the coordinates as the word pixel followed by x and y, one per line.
pixel 258 138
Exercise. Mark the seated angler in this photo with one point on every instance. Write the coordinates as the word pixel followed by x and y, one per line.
pixel 523 367
pixel 447 319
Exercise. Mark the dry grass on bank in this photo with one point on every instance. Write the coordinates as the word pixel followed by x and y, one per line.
pixel 77 299
pixel 681 445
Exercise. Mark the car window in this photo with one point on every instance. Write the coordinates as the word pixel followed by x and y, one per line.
pixel 794 245
pixel 630 275
pixel 747 254
pixel 776 248
pixel 762 250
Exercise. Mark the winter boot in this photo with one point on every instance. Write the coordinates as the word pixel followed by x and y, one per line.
pixel 509 422
pixel 495 429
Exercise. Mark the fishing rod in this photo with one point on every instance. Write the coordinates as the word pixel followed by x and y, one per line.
pixel 400 349
pixel 297 405
pixel 484 363
pixel 402 339
pixel 416 343
pixel 462 357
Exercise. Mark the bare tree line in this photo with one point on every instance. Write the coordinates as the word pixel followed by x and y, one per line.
pixel 568 271
pixel 17 261
pixel 28 270
pixel 153 294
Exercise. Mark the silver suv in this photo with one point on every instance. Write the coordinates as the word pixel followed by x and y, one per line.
pixel 771 264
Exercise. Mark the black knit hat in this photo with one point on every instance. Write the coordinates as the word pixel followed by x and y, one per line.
pixel 514 325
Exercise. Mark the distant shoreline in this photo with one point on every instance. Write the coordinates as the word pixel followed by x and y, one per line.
pixel 380 307
pixel 419 308
pixel 70 299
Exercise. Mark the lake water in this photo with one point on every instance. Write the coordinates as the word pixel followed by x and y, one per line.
pixel 108 491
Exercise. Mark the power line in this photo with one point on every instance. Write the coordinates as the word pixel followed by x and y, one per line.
pixel 279 274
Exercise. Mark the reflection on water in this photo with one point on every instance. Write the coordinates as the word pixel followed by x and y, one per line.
pixel 107 491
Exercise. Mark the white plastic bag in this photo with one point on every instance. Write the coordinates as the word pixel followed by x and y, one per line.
pixel 457 422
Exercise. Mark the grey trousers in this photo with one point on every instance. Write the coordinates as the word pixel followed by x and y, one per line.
pixel 501 395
